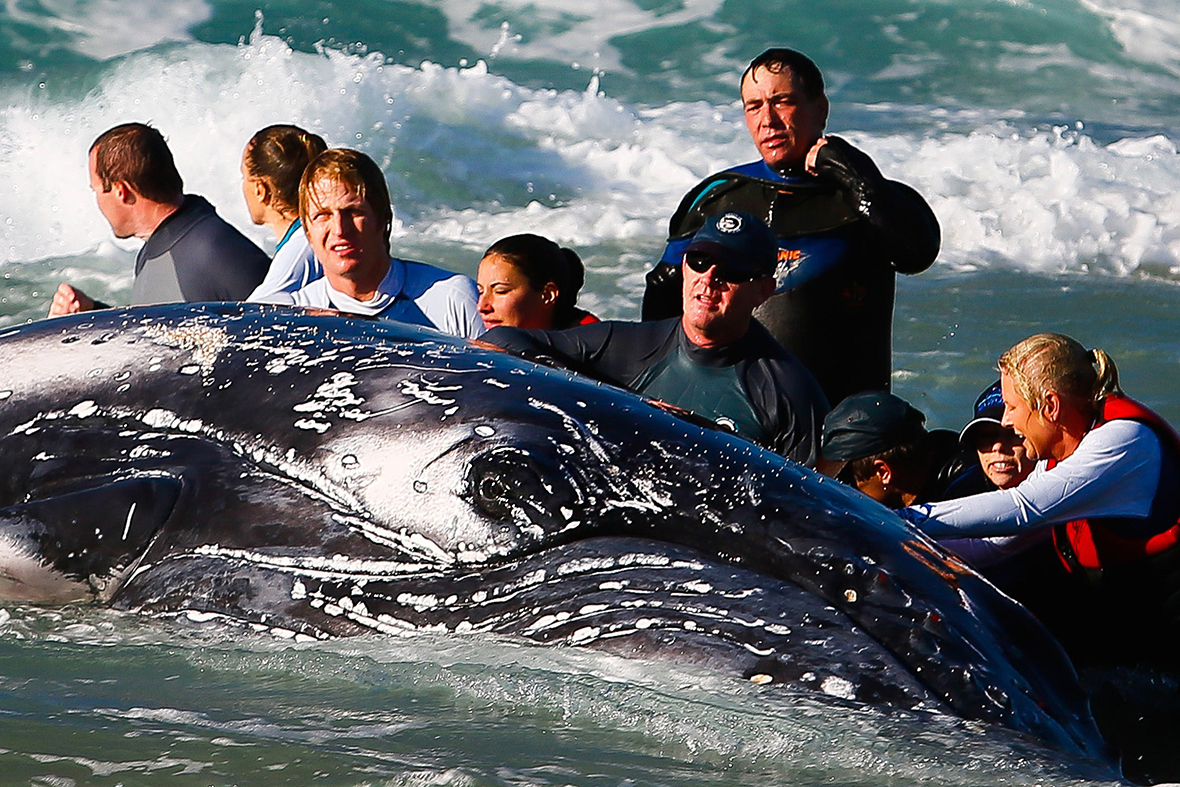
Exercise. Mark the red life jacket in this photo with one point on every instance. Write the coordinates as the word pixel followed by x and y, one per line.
pixel 1095 543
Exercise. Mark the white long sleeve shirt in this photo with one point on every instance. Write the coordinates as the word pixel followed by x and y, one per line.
pixel 1114 472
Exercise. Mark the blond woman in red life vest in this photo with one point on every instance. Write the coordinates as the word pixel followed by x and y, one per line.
pixel 1105 492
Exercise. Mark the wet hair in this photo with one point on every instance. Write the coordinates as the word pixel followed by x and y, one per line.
pixel 356 171
pixel 1055 362
pixel 277 155
pixel 136 154
pixel 543 261
pixel 776 60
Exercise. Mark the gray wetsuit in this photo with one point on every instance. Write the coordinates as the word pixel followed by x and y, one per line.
pixel 195 255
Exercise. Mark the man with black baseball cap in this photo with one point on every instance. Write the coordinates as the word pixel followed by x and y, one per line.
pixel 714 360
pixel 878 442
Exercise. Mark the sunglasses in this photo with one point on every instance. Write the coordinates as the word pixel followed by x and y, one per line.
pixel 724 273
pixel 986 435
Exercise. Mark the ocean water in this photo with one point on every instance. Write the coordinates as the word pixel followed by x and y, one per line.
pixel 1042 132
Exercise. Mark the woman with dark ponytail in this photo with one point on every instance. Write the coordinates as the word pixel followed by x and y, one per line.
pixel 1105 496
pixel 272 165
pixel 527 281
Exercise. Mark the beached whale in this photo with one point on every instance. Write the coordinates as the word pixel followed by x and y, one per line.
pixel 320 476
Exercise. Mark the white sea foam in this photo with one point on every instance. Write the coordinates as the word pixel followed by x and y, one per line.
pixel 1048 200
pixel 579 166
pixel 107 28
pixel 560 31
pixel 1149 30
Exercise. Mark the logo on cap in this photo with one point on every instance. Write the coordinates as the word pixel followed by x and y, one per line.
pixel 729 223
pixel 993 399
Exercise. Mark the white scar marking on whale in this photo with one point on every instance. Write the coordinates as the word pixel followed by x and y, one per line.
pixel 427 392
pixel 838 687
pixel 160 418
pixel 127 524
pixel 203 616
pixel 334 568
pixel 419 602
pixel 83 409
pixel 336 396
pixel 383 622
pixel 416 544
pixel 547 621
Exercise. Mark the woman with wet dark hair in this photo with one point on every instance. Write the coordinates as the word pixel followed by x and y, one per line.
pixel 272 164
pixel 527 281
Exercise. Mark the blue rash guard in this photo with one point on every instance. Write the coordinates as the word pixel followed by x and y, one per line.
pixel 411 292
pixel 195 255
pixel 752 387
pixel 293 267
pixel 839 253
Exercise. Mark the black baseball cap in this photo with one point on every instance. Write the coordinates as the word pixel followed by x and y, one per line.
pixel 740 242
pixel 989 409
pixel 868 423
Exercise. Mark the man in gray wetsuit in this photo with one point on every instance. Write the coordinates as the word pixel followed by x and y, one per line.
pixel 714 360
pixel 190 254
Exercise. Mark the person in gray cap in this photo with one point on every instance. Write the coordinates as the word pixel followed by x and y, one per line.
pixel 714 360
pixel 878 442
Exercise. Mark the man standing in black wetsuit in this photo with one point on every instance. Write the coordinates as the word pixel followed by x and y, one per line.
pixel 714 360
pixel 190 254
pixel 843 229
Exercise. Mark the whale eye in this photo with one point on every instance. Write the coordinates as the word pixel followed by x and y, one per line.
pixel 528 489
pixel 491 490
pixel 504 484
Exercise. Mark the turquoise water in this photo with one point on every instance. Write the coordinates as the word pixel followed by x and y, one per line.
pixel 1042 133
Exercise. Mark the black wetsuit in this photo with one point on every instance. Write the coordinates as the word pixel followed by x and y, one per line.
pixel 194 255
pixel 842 238
pixel 951 464
pixel 752 387
pixel 972 481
